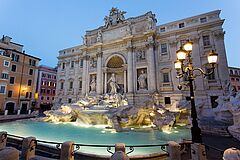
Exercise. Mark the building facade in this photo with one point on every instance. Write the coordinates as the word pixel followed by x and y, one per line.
pixel 235 77
pixel 46 87
pixel 139 56
pixel 18 77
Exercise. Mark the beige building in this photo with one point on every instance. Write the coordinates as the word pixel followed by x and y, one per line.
pixel 234 73
pixel 138 57
pixel 18 77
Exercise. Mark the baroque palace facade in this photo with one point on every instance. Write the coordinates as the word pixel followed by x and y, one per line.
pixel 139 57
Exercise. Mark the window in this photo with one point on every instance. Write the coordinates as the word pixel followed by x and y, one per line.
pixel 237 79
pixel 49 83
pixel 162 29
pixel 48 91
pixel 32 62
pixel 4 76
pixel 49 76
pixel 69 100
pixel 47 98
pixel 61 86
pixel 238 87
pixel 54 77
pixel 30 94
pixel 211 76
pixel 164 48
pixel 1 52
pixel 42 98
pixel 43 83
pixel 52 98
pixel 11 81
pixel 81 63
pixel 30 71
pixel 15 57
pixel 10 94
pixel 231 71
pixel 29 82
pixel 6 63
pixel 2 89
pixel 80 84
pixel 53 91
pixel 43 75
pixel 26 96
pixel 232 79
pixel 42 90
pixel 14 68
pixel 213 101
pixel 167 100
pixel 71 85
pixel 63 65
pixel 206 40
pixel 236 72
pixel 181 25
pixel 72 64
pixel 203 19
pixel 54 84
pixel 165 77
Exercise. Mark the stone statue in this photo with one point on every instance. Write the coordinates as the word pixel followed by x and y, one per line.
pixel 84 40
pixel 142 80
pixel 115 16
pixel 93 84
pixel 113 84
pixel 99 36
pixel 150 23
pixel 93 63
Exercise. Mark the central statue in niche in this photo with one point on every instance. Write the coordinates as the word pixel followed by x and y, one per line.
pixel 113 84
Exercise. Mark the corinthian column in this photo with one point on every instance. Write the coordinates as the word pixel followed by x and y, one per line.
pixel 151 65
pixel 130 69
pixel 99 73
pixel 84 75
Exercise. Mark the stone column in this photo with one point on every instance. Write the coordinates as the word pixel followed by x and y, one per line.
pixel 99 73
pixel 105 82
pixel 84 75
pixel 130 69
pixel 151 65
pixel 125 81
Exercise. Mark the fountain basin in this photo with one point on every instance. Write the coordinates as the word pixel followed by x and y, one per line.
pixel 94 135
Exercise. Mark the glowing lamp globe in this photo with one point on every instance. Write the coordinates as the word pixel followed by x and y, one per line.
pixel 188 46
pixel 181 54
pixel 212 57
pixel 178 65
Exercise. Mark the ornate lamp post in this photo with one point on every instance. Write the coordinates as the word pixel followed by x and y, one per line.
pixel 185 69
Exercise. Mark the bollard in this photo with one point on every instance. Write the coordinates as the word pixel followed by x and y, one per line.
pixel 3 140
pixel 29 111
pixel 119 152
pixel 231 154
pixel 9 153
pixel 18 112
pixel 119 155
pixel 28 148
pixel 67 151
pixel 198 151
pixel 120 147
pixel 6 112
pixel 173 149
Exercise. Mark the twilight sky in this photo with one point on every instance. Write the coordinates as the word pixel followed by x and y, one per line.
pixel 46 26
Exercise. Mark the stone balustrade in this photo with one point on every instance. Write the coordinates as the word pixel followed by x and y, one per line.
pixel 67 151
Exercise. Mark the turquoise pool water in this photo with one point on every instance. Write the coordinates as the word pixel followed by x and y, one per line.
pixel 70 131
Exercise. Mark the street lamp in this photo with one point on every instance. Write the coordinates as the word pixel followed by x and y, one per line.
pixel 185 69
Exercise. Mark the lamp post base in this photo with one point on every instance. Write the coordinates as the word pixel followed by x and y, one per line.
pixel 196 134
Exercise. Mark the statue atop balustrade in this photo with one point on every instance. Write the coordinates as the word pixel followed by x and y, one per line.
pixel 115 16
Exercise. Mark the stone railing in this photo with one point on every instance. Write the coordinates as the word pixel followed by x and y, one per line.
pixel 69 150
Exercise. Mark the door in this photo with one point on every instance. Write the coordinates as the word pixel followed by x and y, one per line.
pixel 10 107
pixel 24 108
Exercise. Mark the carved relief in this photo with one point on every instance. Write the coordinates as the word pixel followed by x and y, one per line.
pixel 140 55
pixel 93 62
